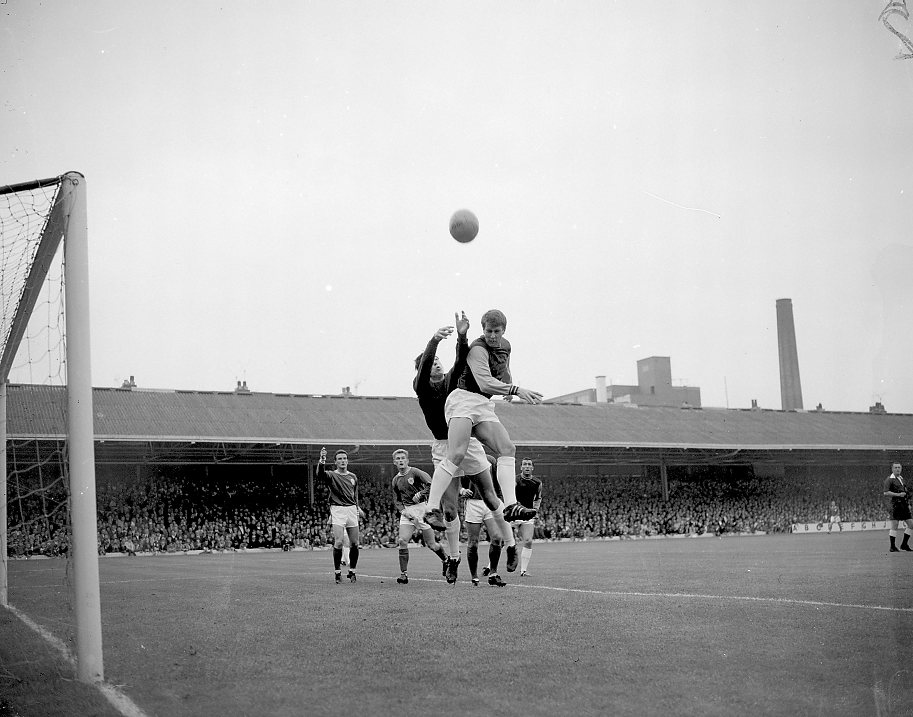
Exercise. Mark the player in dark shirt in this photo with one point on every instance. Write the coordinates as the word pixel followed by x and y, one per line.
pixel 432 386
pixel 344 511
pixel 410 492
pixel 896 490
pixel 529 495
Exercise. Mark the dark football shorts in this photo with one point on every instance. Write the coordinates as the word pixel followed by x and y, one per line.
pixel 900 510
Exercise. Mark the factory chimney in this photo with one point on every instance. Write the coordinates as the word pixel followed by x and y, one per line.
pixel 790 385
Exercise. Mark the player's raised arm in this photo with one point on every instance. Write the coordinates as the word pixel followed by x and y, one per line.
pixel 461 323
pixel 462 351
pixel 321 471
pixel 426 361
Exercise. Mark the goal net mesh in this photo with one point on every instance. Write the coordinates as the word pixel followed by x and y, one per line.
pixel 33 351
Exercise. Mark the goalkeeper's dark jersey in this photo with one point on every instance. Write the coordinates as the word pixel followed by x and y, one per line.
pixel 529 490
pixel 433 395
pixel 343 487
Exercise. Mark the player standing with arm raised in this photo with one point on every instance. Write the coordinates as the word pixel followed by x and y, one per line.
pixel 896 490
pixel 344 510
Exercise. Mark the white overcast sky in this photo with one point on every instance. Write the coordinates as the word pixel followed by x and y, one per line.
pixel 269 187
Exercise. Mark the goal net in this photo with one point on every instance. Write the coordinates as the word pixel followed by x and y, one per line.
pixel 47 479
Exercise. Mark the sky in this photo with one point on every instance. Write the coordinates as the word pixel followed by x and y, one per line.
pixel 270 183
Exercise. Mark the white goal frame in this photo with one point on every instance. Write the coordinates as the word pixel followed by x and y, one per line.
pixel 67 221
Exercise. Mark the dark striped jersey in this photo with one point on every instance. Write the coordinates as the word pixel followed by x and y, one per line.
pixel 529 490
pixel 407 485
pixel 343 487
pixel 498 365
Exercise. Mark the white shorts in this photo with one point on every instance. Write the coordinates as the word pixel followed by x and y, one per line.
pixel 344 515
pixel 466 404
pixel 531 521
pixel 835 518
pixel 413 515
pixel 476 511
pixel 474 462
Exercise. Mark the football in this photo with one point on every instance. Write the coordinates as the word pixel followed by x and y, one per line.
pixel 464 226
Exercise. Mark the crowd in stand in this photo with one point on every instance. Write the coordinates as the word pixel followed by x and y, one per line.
pixel 174 512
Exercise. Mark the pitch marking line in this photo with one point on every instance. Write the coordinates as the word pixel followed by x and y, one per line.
pixel 118 699
pixel 690 596
pixel 701 596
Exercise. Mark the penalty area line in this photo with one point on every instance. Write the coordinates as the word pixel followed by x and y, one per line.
pixel 115 697
pixel 704 596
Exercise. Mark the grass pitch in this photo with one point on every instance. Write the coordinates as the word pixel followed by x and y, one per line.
pixel 775 625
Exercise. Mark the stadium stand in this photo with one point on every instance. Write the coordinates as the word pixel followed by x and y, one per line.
pixel 191 470
pixel 178 510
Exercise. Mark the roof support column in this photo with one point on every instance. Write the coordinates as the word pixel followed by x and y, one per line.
pixel 664 477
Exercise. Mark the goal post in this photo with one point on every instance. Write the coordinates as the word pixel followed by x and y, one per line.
pixel 65 220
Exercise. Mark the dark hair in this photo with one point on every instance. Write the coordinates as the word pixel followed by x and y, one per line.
pixel 340 452
pixel 494 317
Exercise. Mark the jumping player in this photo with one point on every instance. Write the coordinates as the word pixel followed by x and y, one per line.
pixel 410 491
pixel 896 490
pixel 344 510
pixel 433 386
pixel 469 410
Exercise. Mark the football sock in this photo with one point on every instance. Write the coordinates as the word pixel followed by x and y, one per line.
pixel 472 557
pixel 494 555
pixel 403 559
pixel 507 533
pixel 353 557
pixel 525 555
pixel 443 474
pixel 337 558
pixel 453 537
pixel 507 478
